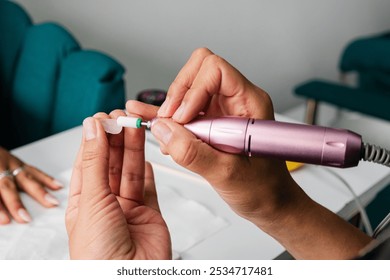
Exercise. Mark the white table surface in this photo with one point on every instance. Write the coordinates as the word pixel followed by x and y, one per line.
pixel 238 240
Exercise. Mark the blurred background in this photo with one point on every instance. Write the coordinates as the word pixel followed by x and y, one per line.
pixel 276 44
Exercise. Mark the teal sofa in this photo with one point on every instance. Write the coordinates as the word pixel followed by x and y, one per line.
pixel 369 58
pixel 48 83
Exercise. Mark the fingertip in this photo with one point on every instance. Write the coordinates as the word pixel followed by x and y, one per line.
pixel 178 115
pixel 57 184
pixel 52 200
pixel 162 111
pixel 186 149
pixel 100 115
pixel 24 215
pixel 161 132
pixel 4 218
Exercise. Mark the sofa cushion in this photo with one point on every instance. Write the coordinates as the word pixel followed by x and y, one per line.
pixel 89 82
pixel 36 77
pixel 14 23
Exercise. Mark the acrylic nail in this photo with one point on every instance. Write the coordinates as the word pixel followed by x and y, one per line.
pixel 58 183
pixel 162 132
pixel 51 199
pixel 89 129
pixel 24 215
pixel 179 112
pixel 163 109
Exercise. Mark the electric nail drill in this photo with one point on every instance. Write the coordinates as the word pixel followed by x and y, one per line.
pixel 287 141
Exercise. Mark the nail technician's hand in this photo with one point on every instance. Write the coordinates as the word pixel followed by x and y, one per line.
pixel 260 190
pixel 16 176
pixel 209 84
pixel 113 211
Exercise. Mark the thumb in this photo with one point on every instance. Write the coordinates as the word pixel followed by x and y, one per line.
pixel 185 149
pixel 95 156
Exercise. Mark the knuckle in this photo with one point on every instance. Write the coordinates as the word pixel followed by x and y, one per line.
pixel 132 177
pixel 7 185
pixel 114 171
pixel 179 82
pixel 214 60
pixel 190 157
pixel 201 52
pixel 90 157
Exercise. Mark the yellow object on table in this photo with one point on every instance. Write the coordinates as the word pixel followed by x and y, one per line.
pixel 291 165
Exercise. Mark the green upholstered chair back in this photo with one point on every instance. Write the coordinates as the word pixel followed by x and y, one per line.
pixel 14 22
pixel 370 58
pixel 88 80
pixel 12 18
pixel 49 82
pixel 34 89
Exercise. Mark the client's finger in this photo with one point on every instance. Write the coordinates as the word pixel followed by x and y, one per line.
pixel 116 143
pixel 44 178
pixel 4 218
pixel 133 169
pixel 11 199
pixel 95 156
pixel 35 189
pixel 150 188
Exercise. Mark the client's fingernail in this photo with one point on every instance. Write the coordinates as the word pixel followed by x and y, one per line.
pixel 58 183
pixel 24 215
pixel 51 199
pixel 89 128
pixel 179 112
pixel 163 109
pixel 162 132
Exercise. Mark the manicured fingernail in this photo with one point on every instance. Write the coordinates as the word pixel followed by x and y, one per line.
pixel 179 112
pixel 89 128
pixel 163 109
pixel 24 215
pixel 3 218
pixel 162 132
pixel 58 183
pixel 51 199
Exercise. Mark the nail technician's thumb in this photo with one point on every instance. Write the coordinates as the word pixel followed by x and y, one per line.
pixel 184 148
pixel 162 132
pixel 94 159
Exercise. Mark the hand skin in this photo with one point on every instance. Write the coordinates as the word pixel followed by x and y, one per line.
pixel 260 190
pixel 113 211
pixel 30 180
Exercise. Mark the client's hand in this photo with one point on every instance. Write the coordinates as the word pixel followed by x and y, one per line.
pixel 15 176
pixel 113 211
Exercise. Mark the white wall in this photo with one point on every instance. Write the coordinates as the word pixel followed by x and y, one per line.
pixel 276 44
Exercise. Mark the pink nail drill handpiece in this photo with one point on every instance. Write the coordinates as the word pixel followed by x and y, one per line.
pixel 287 141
